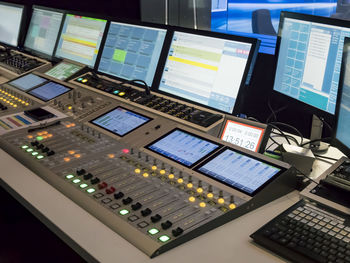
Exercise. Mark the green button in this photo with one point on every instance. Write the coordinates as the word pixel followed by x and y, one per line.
pixel 40 157
pixel 69 176
pixel 35 153
pixel 90 190
pixel 124 212
pixel 164 238
pixel 29 150
pixel 76 181
pixel 24 147
pixel 153 231
pixel 39 138
pixel 83 186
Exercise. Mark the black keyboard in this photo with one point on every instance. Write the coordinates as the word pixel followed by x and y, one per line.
pixel 307 233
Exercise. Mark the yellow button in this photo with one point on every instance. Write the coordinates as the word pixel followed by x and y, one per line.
pixel 162 172
pixel 191 199
pixel 77 155
pixel 199 190
pixel 189 185
pixel 71 152
pixel 66 159
pixel 84 80
pixel 210 195
pixel 69 107
pixel 145 175
pixel 137 170
pixel 221 200
pixel 121 93
pixel 202 204
pixel 171 176
pixel 154 167
pixel 111 155
pixel 180 180
pixel 232 206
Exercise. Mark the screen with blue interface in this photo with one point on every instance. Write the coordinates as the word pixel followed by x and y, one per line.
pixel 27 82
pixel 49 91
pixel 239 171
pixel 309 62
pixel 43 30
pixel 183 147
pixel 11 17
pixel 342 131
pixel 206 70
pixel 260 18
pixel 132 51
pixel 121 121
pixel 80 39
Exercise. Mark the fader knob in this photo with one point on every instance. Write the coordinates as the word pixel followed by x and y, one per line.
pixel 146 212
pixel 136 206
pixel 127 200
pixel 167 224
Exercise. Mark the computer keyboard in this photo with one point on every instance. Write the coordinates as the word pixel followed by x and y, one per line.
pixel 307 232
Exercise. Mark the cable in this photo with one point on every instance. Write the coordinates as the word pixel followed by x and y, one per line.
pixel 286 136
pixel 281 132
pixel 274 112
pixel 290 127
pixel 147 89
pixel 316 140
pixel 325 157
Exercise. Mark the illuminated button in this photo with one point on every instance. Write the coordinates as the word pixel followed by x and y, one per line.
pixel 111 155
pixel 137 170
pixel 66 159
pixel 69 176
pixel 90 190
pixel 116 92
pixel 191 199
pixel 29 150
pixel 162 172
pixel 72 124
pixel 71 152
pixel 124 212
pixel 154 167
pixel 153 231
pixel 189 185
pixel 199 190
pixel 84 80
pixel 83 186
pixel 44 132
pixel 180 180
pixel 221 200
pixel 49 135
pixel 40 157
pixel 210 195
pixel 121 93
pixel 76 181
pixel 69 107
pixel 77 155
pixel 125 151
pixel 15 105
pixel 79 79
pixel 24 147
pixel 164 238
pixel 171 176
pixel 39 138
pixel 232 206
pixel 202 204
pixel 145 175
pixel 26 104
pixel 35 153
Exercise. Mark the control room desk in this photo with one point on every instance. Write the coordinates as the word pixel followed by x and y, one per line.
pixel 96 242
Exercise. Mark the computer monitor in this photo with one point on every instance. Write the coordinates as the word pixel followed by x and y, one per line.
pixel 341 136
pixel 43 30
pixel 11 22
pixel 207 68
pixel 132 51
pixel 309 60
pixel 80 39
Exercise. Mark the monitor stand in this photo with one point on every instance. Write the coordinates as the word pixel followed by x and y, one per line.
pixel 316 134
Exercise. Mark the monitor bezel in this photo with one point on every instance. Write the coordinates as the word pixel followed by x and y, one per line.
pixel 136 23
pixel 121 107
pixel 239 99
pixel 261 187
pixel 335 141
pixel 84 14
pixel 264 136
pixel 36 52
pixel 285 99
pixel 21 28
pixel 190 133
pixel 69 89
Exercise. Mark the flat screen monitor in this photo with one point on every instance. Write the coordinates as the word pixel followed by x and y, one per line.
pixel 239 171
pixel 244 133
pixel 260 18
pixel 63 70
pixel 121 121
pixel 10 26
pixel 342 138
pixel 309 59
pixel 208 69
pixel 43 30
pixel 27 82
pixel 132 51
pixel 49 91
pixel 183 147
pixel 80 39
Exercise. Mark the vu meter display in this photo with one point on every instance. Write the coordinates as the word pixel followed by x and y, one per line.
pixel 239 171
pixel 80 39
pixel 183 147
pixel 120 121
pixel 206 70
pixel 243 135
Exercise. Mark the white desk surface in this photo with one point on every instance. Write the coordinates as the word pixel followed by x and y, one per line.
pixel 95 241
